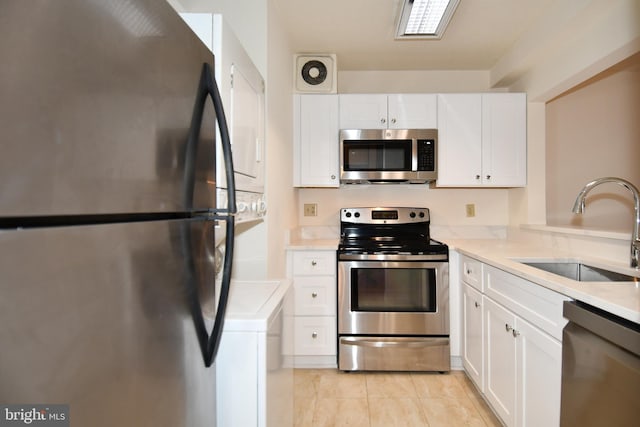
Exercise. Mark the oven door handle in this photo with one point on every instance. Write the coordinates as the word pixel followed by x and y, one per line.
pixel 391 342
pixel 391 257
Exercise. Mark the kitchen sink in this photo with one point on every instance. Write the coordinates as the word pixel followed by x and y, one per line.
pixel 581 272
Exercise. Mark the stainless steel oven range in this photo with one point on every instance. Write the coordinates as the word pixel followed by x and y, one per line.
pixel 393 292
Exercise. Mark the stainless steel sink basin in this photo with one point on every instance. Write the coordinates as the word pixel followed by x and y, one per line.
pixel 581 272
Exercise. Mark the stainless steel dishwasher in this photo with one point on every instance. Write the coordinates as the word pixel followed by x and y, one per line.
pixel 600 369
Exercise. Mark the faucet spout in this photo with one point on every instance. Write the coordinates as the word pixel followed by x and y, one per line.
pixel 578 208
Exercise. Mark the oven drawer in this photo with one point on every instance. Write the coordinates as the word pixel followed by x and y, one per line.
pixel 315 336
pixel 315 296
pixel 393 353
pixel 314 263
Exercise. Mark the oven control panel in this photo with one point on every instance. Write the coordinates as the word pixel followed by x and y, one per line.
pixel 380 215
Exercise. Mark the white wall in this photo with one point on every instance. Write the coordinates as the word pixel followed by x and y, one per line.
pixel 575 41
pixel 413 81
pixel 247 18
pixel 281 196
pixel 447 205
pixel 260 249
pixel 592 132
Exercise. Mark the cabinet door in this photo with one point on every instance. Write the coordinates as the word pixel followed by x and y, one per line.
pixel 473 335
pixel 459 140
pixel 314 263
pixel 315 336
pixel 363 111
pixel 412 111
pixel 539 376
pixel 500 360
pixel 316 141
pixel 315 295
pixel 471 272
pixel 504 139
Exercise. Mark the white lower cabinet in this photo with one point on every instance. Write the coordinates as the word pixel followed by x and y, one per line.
pixel 500 367
pixel 512 349
pixel 523 369
pixel 314 321
pixel 473 335
pixel 315 335
pixel 538 377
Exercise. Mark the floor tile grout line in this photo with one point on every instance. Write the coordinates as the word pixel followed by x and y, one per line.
pixel 480 412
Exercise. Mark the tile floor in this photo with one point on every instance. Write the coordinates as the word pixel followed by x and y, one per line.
pixel 327 397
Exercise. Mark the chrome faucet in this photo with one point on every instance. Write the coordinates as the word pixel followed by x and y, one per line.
pixel 578 208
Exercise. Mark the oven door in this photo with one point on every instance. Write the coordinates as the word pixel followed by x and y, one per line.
pixel 393 298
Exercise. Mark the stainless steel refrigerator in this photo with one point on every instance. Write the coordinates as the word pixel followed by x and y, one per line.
pixel 107 213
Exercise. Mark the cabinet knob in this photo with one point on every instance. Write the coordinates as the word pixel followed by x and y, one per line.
pixel 314 335
pixel 333 177
pixel 515 333
pixel 393 120
pixel 507 327
pixel 488 176
pixel 468 271
pixel 314 263
pixel 477 176
pixel 476 304
pixel 383 120
pixel 314 294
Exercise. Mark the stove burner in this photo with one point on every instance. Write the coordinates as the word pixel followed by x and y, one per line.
pixel 404 236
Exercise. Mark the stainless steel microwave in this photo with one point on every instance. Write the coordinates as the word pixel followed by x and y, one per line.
pixel 388 155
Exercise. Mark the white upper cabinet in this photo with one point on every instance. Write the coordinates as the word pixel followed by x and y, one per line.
pixel 316 141
pixel 482 140
pixel 504 139
pixel 459 140
pixel 380 111
pixel 413 111
pixel 363 111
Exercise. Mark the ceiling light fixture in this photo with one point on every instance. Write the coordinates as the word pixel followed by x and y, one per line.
pixel 425 19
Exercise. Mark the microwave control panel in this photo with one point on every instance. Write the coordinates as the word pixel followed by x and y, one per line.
pixel 426 154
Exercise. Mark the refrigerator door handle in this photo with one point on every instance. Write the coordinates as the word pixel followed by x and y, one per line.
pixel 208 87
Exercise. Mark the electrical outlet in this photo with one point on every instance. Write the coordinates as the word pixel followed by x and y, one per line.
pixel 310 209
pixel 471 210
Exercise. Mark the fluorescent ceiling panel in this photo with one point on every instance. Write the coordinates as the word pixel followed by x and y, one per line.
pixel 425 18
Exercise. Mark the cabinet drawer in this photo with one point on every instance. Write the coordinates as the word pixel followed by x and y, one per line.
pixel 314 263
pixel 315 335
pixel 540 306
pixel 315 295
pixel 471 272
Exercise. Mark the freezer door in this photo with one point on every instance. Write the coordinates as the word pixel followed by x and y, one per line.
pixel 105 318
pixel 97 99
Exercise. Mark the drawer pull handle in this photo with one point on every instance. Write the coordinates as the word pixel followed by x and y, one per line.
pixel 314 263
pixel 515 333
pixel 314 335
pixel 314 295
pixel 507 327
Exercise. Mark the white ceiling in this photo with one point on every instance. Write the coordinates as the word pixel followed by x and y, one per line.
pixel 361 33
